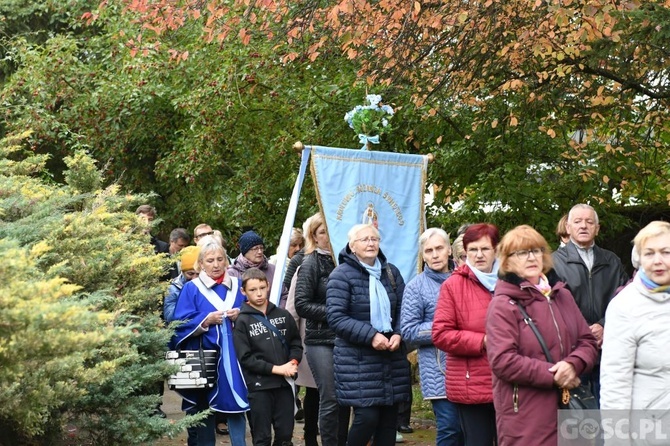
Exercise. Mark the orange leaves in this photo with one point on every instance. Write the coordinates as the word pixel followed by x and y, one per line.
pixel 177 55
pixel 89 18
pixel 245 36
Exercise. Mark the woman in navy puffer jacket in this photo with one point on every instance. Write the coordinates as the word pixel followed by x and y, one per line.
pixel 363 300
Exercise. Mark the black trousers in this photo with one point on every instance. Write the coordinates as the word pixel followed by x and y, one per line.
pixel 272 409
pixel 311 407
pixel 405 410
pixel 377 421
pixel 478 422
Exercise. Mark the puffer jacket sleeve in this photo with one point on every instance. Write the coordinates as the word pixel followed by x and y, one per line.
pixel 292 266
pixel 171 300
pixel 306 288
pixel 619 353
pixel 502 331
pixel 338 302
pixel 399 292
pixel 448 335
pixel 415 328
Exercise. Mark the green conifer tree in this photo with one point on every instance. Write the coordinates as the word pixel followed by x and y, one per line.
pixel 81 342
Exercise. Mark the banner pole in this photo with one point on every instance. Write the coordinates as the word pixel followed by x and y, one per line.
pixel 285 240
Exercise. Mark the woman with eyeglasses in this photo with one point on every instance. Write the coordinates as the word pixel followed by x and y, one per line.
pixel 525 384
pixel 252 255
pixel 363 300
pixel 459 330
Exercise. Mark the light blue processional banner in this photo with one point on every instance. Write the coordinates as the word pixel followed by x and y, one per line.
pixel 359 186
pixel 383 188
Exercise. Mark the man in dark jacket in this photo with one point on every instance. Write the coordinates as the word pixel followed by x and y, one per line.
pixel 269 348
pixel 593 274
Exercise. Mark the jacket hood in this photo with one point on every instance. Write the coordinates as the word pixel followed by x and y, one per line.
pixel 248 309
pixel 509 283
pixel 346 256
pixel 661 297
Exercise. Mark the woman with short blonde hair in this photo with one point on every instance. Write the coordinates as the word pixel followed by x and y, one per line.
pixel 635 369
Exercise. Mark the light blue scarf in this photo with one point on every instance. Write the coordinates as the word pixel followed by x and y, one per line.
pixel 380 305
pixel 487 279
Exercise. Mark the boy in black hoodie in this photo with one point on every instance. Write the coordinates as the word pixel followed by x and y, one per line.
pixel 268 346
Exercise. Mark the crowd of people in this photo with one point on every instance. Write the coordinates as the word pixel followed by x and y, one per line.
pixel 504 329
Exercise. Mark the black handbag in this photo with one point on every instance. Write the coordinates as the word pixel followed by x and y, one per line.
pixel 579 398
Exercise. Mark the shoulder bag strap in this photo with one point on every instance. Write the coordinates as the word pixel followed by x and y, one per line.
pixel 274 330
pixel 533 327
pixel 391 278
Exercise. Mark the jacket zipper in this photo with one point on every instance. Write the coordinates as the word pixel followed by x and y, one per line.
pixel 553 318
pixel 515 398
pixel 592 301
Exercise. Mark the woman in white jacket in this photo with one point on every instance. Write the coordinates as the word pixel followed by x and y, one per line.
pixel 635 368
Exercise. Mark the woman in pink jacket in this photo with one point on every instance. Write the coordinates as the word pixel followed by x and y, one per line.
pixel 459 330
pixel 525 385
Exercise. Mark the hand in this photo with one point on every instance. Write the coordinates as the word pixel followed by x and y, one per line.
pixel 379 342
pixel 484 342
pixel 213 318
pixel 288 370
pixel 232 314
pixel 394 342
pixel 573 384
pixel 564 374
pixel 597 331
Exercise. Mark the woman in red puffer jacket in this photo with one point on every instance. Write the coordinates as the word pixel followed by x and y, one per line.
pixel 459 328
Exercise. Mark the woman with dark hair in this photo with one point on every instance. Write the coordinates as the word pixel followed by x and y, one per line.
pixel 459 328
pixel 525 384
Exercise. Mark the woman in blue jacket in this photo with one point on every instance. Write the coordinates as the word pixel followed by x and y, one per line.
pixel 416 319
pixel 363 300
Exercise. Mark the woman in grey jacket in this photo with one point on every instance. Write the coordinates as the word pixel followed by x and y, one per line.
pixel 416 321
pixel 635 367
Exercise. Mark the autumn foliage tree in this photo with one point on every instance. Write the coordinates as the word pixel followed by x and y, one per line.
pixel 564 100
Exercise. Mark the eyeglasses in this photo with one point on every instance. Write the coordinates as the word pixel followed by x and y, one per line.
pixel 204 234
pixel 258 248
pixel 484 251
pixel 368 240
pixel 524 254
